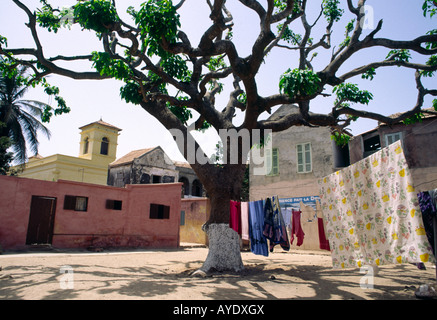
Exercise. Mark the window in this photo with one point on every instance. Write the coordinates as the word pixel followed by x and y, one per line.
pixel 304 162
pixel 113 204
pixel 159 211
pixel 75 203
pixel 182 218
pixel 104 146
pixel 86 146
pixel 272 161
pixel 392 138
pixel 371 145
pixel 196 188
pixel 156 179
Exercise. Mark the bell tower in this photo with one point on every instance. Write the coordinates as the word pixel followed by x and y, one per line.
pixel 98 142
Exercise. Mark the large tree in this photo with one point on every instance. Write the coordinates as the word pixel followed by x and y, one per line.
pixel 172 78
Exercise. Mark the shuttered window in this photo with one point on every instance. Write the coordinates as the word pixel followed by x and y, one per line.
pixel 392 138
pixel 304 158
pixel 271 157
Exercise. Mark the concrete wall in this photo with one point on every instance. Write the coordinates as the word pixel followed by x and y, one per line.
pixel 197 212
pixel 98 226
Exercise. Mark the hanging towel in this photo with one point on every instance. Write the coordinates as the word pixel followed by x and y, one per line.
pixel 235 216
pixel 258 243
pixel 324 243
pixel 296 227
pixel 244 220
pixel 371 213
pixel 274 225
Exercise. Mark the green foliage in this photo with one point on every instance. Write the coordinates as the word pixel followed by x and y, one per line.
pixel 431 45
pixel 131 92
pixel 3 41
pixel 242 98
pixel 341 139
pixel 47 19
pixel 5 156
pixel 369 74
pixel 182 112
pixel 331 10
pixel 280 5
pixel 429 6
pixel 95 15
pixel 288 35
pixel 115 68
pixel 414 119
pixel 432 61
pixel 299 82
pixel 216 63
pixel 402 55
pixel 157 19
pixel 351 92
pixel 176 67
pixel 349 28
pixel 9 70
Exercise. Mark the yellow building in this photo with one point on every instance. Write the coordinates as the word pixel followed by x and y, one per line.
pixel 98 148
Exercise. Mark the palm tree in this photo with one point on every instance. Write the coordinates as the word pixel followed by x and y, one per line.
pixel 21 117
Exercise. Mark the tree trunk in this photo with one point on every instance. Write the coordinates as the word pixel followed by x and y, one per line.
pixel 224 243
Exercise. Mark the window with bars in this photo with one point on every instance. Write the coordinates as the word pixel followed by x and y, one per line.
pixel 304 158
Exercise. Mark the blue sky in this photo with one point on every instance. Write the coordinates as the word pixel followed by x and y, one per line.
pixel 393 88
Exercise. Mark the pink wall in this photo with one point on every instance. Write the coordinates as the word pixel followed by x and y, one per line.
pixel 98 226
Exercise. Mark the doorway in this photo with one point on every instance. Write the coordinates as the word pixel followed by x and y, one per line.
pixel 41 220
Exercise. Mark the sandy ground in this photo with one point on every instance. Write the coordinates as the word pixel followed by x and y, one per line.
pixel 165 274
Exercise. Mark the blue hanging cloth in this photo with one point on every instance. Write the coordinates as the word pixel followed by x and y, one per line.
pixel 258 242
pixel 274 225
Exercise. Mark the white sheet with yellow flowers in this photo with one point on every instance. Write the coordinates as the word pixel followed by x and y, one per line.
pixel 371 213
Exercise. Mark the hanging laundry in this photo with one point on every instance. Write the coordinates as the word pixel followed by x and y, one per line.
pixel 258 242
pixel 296 227
pixel 235 216
pixel 274 225
pixel 245 220
pixel 428 213
pixel 433 195
pixel 371 213
pixel 286 214
pixel 324 243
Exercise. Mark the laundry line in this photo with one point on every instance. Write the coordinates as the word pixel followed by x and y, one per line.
pixel 268 222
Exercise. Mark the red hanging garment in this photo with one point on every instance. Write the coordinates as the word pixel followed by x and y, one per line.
pixel 235 216
pixel 296 228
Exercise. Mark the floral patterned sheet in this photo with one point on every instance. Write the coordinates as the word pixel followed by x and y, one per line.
pixel 371 213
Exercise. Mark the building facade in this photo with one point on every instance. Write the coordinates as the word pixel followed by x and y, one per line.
pixel 297 158
pixel 68 214
pixel 418 141
pixel 152 165
pixel 98 148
